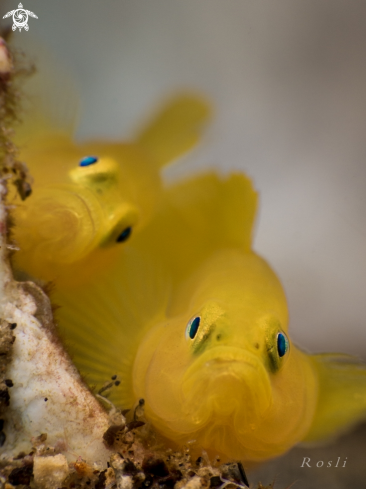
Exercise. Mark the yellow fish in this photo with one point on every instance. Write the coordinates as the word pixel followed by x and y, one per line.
pixel 88 198
pixel 196 323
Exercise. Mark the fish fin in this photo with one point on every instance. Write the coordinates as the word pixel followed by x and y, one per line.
pixel 175 129
pixel 222 208
pixel 102 322
pixel 342 395
pixel 199 216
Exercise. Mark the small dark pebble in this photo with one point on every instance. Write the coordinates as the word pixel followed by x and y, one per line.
pixel 9 383
pixel 46 399
pixel 111 434
pixel 2 438
pixel 236 473
pixel 155 467
pixel 114 377
pixel 42 437
pixel 100 484
pixel 130 468
pixel 4 396
pixel 215 481
pixel 243 474
pixel 199 461
pixel 20 456
pixel 13 325
pixel 148 481
pixel 21 475
pixel 167 482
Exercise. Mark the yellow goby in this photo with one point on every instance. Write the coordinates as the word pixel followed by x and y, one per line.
pixel 196 323
pixel 88 197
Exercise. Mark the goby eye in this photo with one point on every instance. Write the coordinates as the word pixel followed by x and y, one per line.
pixel 192 327
pixel 88 160
pixel 124 235
pixel 282 344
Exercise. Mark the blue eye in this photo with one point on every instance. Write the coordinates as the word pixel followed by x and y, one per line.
pixel 124 235
pixel 192 327
pixel 88 160
pixel 282 344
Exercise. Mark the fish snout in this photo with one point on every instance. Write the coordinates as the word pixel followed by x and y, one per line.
pixel 227 383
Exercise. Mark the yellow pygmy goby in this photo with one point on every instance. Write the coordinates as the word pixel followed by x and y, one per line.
pixel 89 197
pixel 196 323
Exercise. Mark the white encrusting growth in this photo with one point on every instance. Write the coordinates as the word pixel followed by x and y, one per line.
pixel 48 395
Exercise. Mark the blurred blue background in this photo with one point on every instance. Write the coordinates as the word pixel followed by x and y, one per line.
pixel 288 82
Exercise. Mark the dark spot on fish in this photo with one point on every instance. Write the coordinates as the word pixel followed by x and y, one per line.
pixel 218 337
pixel 256 345
pixel 117 382
pixel 114 377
